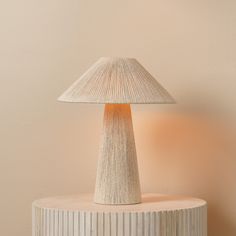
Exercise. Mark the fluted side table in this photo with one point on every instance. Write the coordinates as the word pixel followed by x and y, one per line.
pixel 159 215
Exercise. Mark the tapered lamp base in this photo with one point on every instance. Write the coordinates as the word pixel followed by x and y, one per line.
pixel 117 179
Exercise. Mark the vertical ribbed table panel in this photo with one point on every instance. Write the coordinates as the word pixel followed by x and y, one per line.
pixel 157 215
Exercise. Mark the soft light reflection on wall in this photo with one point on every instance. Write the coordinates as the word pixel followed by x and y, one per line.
pixel 190 152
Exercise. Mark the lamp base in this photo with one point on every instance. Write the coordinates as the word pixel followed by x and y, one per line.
pixel 117 179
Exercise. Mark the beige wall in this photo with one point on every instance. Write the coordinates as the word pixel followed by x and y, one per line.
pixel 48 148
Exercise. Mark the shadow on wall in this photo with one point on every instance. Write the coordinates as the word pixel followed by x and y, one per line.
pixel 192 152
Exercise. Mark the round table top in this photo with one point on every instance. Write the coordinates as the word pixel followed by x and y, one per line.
pixel 150 202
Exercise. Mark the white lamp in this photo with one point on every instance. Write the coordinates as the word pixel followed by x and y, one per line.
pixel 117 82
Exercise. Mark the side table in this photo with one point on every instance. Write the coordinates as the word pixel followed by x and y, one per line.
pixel 157 215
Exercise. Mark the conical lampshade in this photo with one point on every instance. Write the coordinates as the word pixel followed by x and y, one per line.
pixel 118 81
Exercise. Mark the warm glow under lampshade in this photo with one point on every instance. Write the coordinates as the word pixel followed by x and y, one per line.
pixel 118 81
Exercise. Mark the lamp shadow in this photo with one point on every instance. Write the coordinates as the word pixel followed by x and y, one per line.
pixel 192 153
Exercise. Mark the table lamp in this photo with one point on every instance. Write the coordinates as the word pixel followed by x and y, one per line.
pixel 117 83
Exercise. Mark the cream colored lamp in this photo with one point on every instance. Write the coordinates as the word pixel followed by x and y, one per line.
pixel 117 82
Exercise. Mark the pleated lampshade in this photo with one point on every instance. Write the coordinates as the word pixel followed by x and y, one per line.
pixel 117 81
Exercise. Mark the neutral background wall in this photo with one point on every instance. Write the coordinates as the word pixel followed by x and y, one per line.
pixel 50 148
